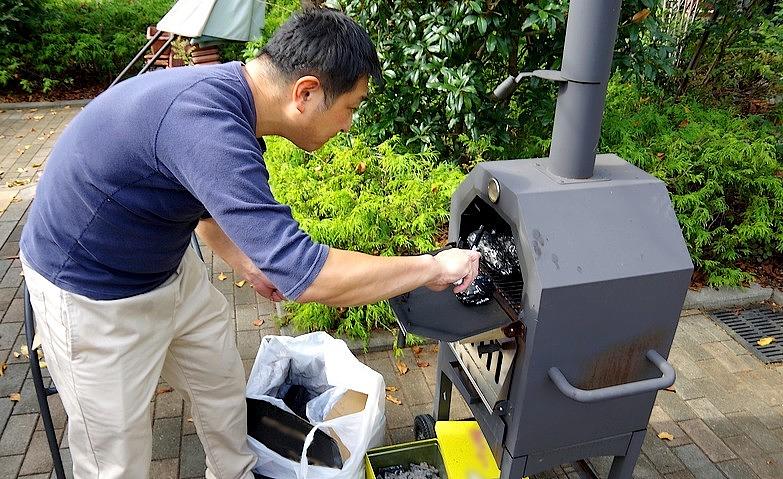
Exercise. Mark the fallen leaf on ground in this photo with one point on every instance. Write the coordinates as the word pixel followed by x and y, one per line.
pixel 42 364
pixel 393 399
pixel 21 170
pixel 239 284
pixel 33 110
pixel 402 367
pixel 3 367
pixel 67 107
pixel 222 277
pixel 16 355
pixel 670 389
pixel 24 351
pixel 38 117
pixel 190 419
pixel 163 390
pixel 36 165
pixel 683 123
pixel 422 364
pixel 391 389
pixel 258 322
pixel 435 349
pixel 766 341
pixel 665 436
pixel 417 350
pixel 15 397
pixel 361 167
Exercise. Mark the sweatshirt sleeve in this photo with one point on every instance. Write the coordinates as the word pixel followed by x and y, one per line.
pixel 208 146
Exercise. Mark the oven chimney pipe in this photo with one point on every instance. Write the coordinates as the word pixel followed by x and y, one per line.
pixel 591 32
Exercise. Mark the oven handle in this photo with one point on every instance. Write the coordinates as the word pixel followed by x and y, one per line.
pixel 620 390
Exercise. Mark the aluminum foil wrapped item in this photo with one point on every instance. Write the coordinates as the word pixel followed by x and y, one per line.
pixel 498 251
pixel 479 292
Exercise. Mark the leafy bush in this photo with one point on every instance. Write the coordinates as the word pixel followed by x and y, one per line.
pixel 73 40
pixel 734 52
pixel 370 199
pixel 442 59
pixel 722 169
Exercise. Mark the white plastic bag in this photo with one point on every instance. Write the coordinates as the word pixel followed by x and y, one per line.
pixel 319 361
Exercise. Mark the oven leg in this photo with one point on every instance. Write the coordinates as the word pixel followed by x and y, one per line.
pixel 622 466
pixel 442 388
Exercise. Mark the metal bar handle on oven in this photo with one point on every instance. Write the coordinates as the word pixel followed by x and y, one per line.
pixel 620 390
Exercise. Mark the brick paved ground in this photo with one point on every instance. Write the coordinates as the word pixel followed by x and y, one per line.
pixel 726 415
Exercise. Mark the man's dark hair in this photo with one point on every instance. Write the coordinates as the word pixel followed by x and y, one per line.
pixel 327 44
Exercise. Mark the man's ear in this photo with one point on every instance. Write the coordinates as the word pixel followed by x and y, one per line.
pixel 307 90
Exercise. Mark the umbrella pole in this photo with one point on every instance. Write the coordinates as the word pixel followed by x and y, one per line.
pixel 136 58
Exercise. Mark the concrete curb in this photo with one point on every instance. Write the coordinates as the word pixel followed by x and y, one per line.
pixel 43 104
pixel 718 298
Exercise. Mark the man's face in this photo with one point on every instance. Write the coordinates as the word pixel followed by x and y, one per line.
pixel 318 124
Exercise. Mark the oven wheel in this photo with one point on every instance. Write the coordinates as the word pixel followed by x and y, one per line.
pixel 424 427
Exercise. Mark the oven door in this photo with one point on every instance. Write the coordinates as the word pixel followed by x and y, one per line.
pixel 439 315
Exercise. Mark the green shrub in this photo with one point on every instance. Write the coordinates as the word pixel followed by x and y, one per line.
pixel 370 199
pixel 87 41
pixel 722 170
pixel 441 60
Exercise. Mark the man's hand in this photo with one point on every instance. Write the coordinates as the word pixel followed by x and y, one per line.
pixel 264 287
pixel 455 265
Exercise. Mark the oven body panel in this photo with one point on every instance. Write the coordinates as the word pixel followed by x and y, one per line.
pixel 605 272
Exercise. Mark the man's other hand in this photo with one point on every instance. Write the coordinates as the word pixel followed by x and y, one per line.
pixel 454 265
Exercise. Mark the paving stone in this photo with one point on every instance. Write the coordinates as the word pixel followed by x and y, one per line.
pixel 743 446
pixel 38 459
pixel 17 433
pixel 5 411
pixel 193 460
pixel 697 463
pixel 9 465
pixel 661 422
pixel 164 469
pixel 248 343
pixel 687 388
pixel 8 334
pixel 660 454
pixel 12 278
pixel 711 444
pixel 57 411
pixel 768 466
pixel 168 405
pixel 166 438
pixel 644 469
pixel 401 435
pixel 679 475
pixel 15 309
pixel 713 418
pixel 737 469
pixel 188 427
pixel 244 295
pixel 246 314
pixel 755 430
pixel 29 401
pixel 416 390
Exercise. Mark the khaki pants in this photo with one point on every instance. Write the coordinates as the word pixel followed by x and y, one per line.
pixel 105 358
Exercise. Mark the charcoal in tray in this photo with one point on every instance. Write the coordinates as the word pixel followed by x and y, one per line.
pixel 479 292
pixel 498 251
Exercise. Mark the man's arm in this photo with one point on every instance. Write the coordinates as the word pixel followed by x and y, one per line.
pixel 211 233
pixel 349 278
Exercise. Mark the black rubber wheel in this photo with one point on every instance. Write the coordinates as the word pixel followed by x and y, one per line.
pixel 424 427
